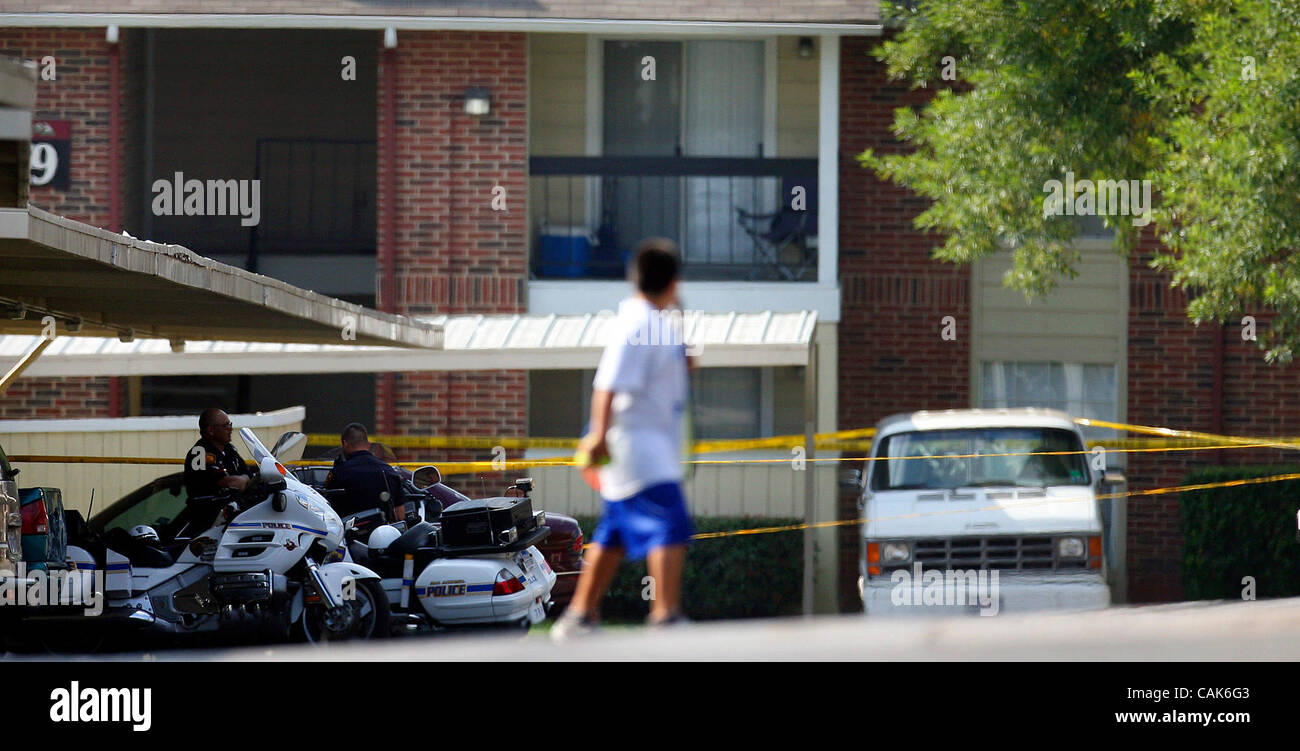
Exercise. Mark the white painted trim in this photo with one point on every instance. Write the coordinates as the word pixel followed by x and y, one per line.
pixel 770 72
pixel 149 424
pixel 828 163
pixel 429 23
pixel 562 297
pixel 595 135
pixel 14 223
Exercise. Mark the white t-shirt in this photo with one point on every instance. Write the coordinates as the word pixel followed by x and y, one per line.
pixel 644 364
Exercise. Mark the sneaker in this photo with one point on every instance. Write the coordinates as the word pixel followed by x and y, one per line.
pixel 571 626
pixel 673 621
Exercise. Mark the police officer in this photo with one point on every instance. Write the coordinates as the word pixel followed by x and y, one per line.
pixel 212 465
pixel 364 476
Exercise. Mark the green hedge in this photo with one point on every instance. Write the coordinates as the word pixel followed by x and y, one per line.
pixel 1246 530
pixel 749 576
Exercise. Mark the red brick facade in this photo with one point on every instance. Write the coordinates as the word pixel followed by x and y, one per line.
pixel 894 298
pixel 80 93
pixel 452 250
pixel 1171 378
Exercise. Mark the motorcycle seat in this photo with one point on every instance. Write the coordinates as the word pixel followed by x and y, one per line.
pixel 411 540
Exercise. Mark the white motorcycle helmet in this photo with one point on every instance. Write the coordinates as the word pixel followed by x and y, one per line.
pixel 382 537
pixel 144 533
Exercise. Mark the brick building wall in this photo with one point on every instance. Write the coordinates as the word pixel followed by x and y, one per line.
pixel 1171 384
pixel 80 93
pixel 893 298
pixel 453 251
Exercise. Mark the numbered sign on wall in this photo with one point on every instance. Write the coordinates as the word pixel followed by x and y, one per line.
pixel 51 153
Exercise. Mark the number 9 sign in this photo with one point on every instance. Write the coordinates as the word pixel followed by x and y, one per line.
pixel 51 141
pixel 45 163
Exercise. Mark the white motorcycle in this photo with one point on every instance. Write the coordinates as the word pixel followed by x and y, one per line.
pixel 266 569
pixel 437 579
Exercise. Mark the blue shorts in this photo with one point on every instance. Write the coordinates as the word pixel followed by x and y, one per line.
pixel 652 518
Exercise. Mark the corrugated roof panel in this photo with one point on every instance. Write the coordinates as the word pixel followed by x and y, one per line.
pixel 530 332
pixel 712 328
pixel 598 332
pixel 567 331
pixel 747 328
pixel 459 331
pixel 786 328
pixel 491 332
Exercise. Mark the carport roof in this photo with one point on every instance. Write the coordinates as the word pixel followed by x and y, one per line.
pixel 472 342
pixel 117 284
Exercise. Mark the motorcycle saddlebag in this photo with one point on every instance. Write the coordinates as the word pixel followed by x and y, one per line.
pixel 487 521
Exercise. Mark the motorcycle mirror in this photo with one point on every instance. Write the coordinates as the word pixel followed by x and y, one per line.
pixel 426 476
pixel 289 447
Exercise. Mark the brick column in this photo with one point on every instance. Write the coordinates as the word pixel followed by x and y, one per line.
pixel 891 356
pixel 80 93
pixel 452 251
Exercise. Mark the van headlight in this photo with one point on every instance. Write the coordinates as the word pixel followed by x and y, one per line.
pixel 895 552
pixel 1070 547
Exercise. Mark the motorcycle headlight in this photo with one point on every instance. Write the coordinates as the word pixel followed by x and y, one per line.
pixel 895 552
pixel 1071 547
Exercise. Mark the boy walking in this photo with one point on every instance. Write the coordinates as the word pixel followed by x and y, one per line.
pixel 637 406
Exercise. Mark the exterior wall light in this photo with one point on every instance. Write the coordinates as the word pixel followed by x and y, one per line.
pixel 477 102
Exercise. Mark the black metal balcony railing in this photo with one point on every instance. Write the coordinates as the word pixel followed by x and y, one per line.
pixel 734 218
pixel 318 197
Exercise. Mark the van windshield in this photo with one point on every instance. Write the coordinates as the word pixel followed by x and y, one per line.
pixel 943 459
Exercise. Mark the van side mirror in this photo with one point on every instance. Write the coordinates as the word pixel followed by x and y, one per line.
pixel 1113 478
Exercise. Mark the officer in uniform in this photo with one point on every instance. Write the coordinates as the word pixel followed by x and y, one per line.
pixel 213 465
pixel 364 476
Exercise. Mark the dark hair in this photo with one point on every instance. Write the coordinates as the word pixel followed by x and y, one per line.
pixel 207 416
pixel 656 264
pixel 354 433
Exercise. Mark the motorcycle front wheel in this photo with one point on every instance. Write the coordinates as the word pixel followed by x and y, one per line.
pixel 365 616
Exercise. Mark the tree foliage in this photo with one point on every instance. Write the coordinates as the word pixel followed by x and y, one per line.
pixel 1200 97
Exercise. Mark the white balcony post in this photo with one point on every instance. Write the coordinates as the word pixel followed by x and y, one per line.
pixel 828 162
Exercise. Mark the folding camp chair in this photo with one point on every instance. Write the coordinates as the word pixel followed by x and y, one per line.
pixel 785 239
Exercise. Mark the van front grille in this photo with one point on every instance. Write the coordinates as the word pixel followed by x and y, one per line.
pixel 1002 553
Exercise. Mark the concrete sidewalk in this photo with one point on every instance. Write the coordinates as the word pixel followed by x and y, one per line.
pixel 1227 631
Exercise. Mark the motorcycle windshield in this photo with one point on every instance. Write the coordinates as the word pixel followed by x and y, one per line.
pixel 255 447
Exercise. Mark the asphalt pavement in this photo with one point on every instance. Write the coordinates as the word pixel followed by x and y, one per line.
pixel 1202 631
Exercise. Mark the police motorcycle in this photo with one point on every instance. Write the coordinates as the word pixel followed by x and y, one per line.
pixel 473 564
pixel 263 567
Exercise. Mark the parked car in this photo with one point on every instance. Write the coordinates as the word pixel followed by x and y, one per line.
pixel 932 505
pixel 563 548
pixel 11 523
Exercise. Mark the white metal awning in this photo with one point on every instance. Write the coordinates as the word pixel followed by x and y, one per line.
pixel 470 342
pixel 93 281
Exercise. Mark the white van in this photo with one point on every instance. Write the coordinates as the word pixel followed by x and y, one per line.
pixel 950 532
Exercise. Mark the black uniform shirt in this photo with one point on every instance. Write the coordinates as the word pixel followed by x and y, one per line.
pixel 364 476
pixel 205 466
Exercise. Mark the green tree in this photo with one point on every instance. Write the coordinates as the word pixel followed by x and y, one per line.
pixel 1200 97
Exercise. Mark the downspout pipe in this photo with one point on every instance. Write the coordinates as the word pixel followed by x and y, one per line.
pixel 1216 397
pixel 114 176
pixel 388 273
